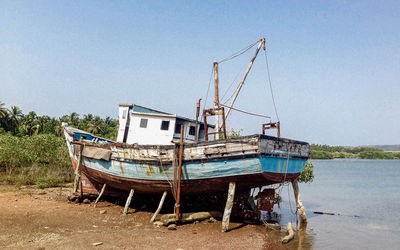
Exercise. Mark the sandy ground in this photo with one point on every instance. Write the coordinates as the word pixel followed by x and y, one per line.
pixel 43 219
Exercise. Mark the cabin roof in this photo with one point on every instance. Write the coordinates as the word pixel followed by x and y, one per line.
pixel 141 109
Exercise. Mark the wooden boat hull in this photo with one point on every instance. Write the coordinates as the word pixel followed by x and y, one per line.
pixel 97 178
pixel 208 167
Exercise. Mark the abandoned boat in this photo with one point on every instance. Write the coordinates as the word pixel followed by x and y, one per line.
pixel 208 166
pixel 157 151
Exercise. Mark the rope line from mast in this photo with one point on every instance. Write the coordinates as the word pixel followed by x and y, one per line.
pixel 270 85
pixel 248 113
pixel 234 80
pixel 240 52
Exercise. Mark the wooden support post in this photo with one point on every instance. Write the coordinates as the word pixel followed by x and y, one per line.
pixel 78 169
pixel 299 204
pixel 228 206
pixel 128 201
pixel 159 207
pixel 178 194
pixel 290 235
pixel 101 194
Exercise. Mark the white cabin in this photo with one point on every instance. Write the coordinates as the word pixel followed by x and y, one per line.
pixel 141 125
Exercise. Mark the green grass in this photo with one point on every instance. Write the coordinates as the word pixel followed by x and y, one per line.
pixel 40 160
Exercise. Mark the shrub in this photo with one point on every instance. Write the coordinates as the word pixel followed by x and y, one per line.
pixel 27 159
pixel 307 175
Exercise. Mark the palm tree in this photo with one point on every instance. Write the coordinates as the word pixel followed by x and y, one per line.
pixel 27 127
pixel 3 110
pixel 94 128
pixel 15 114
pixel 58 128
pixel 36 129
pixel 14 117
pixel 74 119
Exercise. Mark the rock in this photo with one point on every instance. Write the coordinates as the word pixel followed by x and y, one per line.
pixel 273 226
pixel 86 201
pixel 97 244
pixel 103 211
pixel 212 220
pixel 158 223
pixel 172 227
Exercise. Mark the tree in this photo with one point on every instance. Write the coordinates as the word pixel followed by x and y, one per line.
pixel 14 117
pixel 15 113
pixel 3 110
pixel 74 119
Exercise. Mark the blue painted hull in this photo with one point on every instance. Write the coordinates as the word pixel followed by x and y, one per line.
pixel 205 177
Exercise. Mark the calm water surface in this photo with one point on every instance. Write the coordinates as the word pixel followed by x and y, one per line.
pixel 365 194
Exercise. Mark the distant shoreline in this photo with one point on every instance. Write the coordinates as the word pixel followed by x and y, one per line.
pixel 335 152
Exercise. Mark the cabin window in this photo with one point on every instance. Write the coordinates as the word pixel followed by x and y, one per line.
pixel 192 130
pixel 178 128
pixel 164 125
pixel 124 114
pixel 143 123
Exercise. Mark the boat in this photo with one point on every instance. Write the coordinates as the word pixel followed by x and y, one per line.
pixel 158 152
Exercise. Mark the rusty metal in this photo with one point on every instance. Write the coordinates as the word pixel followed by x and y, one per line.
pixel 272 125
pixel 242 208
pixel 205 127
pixel 178 195
pixel 223 122
pixel 265 200
pixel 197 121
pixel 216 89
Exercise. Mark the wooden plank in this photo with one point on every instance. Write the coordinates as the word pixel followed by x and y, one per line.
pixel 78 169
pixel 101 194
pixel 167 219
pixel 290 235
pixel 228 206
pixel 128 201
pixel 159 207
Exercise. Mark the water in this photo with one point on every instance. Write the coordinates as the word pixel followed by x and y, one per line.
pixel 365 194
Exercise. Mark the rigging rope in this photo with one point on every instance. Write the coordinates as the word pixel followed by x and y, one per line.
pixel 170 184
pixel 270 85
pixel 239 110
pixel 238 53
pixel 226 92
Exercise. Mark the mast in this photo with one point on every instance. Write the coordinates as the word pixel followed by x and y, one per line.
pixel 260 42
pixel 216 100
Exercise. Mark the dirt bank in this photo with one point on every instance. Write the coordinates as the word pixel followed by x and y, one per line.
pixel 43 219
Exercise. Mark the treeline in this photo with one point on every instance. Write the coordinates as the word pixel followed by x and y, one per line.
pixel 332 152
pixel 32 149
pixel 14 122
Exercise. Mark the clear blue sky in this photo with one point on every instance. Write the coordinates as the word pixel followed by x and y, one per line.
pixel 335 65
